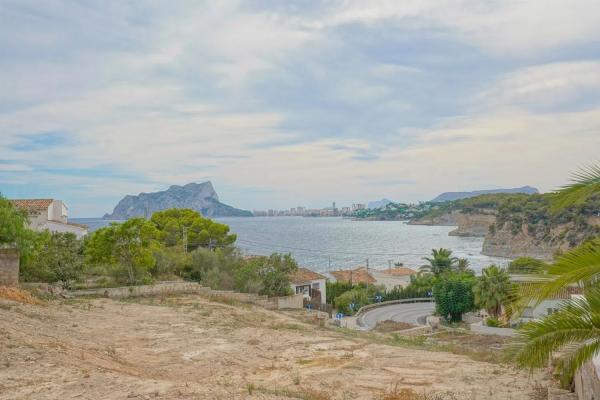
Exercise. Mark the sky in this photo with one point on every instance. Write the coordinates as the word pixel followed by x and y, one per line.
pixel 287 103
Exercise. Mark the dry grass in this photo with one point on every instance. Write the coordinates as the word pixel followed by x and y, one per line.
pixel 392 326
pixel 397 393
pixel 303 393
pixel 18 295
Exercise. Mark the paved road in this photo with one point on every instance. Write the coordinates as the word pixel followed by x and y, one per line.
pixel 412 313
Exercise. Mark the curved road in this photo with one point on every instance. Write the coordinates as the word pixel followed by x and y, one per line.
pixel 412 313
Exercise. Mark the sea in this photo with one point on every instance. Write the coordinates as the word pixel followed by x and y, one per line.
pixel 331 243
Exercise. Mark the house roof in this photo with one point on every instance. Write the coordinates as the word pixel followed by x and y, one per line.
pixel 305 275
pixel 358 275
pixel 32 204
pixel 401 271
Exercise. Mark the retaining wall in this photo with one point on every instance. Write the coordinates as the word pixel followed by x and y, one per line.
pixel 165 288
pixel 489 330
pixel 9 267
pixel 587 382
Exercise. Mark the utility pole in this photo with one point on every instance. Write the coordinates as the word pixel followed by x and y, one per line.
pixel 329 264
pixel 185 239
pixel 390 265
pixel 367 273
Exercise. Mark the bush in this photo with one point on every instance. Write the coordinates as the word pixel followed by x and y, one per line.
pixel 56 257
pixel 359 296
pixel 335 289
pixel 453 294
pixel 526 265
pixel 493 322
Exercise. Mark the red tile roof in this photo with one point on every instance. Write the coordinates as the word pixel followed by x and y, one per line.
pixel 32 204
pixel 303 275
pixel 358 275
pixel 401 271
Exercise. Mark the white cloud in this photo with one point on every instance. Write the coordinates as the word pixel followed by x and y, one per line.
pixel 514 27
pixel 545 85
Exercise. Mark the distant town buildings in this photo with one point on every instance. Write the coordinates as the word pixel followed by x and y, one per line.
pixel 49 214
pixel 300 211
pixel 359 206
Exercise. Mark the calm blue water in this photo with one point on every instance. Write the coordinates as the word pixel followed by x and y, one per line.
pixel 317 242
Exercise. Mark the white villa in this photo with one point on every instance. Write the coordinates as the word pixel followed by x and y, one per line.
pixel 49 214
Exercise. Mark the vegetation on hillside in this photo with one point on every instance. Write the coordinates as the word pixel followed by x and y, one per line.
pixel 139 251
pixel 572 333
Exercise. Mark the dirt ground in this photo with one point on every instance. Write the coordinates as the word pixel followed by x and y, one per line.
pixel 191 348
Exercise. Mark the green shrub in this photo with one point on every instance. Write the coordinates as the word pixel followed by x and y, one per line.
pixel 56 257
pixel 526 265
pixel 453 293
pixel 359 296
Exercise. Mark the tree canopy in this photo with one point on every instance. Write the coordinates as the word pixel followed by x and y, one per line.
pixel 492 290
pixel 201 232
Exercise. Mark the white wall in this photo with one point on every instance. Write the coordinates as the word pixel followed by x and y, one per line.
pixel 64 228
pixel 37 221
pixel 541 310
pixel 57 211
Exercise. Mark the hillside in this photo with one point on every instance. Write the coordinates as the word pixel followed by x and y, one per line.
pixel 452 196
pixel 516 225
pixel 188 348
pixel 201 197
pixel 526 227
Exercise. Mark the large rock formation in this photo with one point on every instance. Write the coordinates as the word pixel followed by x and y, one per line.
pixel 519 240
pixel 197 196
pixel 473 224
pixel 467 224
pixel 451 196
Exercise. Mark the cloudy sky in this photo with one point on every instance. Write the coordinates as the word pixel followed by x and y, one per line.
pixel 285 103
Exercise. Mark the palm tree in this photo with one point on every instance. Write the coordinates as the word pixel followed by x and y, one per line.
pixel 575 329
pixel 492 290
pixel 463 265
pixel 441 260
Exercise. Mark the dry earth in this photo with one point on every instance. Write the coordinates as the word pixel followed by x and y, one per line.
pixel 192 348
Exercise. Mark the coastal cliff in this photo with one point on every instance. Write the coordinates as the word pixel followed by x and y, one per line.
pixel 512 241
pixel 197 196
pixel 472 224
pixel 517 225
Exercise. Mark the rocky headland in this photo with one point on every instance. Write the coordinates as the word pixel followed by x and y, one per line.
pixel 197 196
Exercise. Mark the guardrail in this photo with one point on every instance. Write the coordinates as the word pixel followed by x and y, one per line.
pixel 359 314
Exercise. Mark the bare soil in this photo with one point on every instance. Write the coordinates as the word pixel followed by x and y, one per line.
pixel 191 348
pixel 392 326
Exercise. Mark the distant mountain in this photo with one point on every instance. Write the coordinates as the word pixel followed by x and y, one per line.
pixel 379 203
pixel 451 196
pixel 197 196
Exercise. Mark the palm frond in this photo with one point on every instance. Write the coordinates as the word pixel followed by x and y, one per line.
pixel 584 183
pixel 574 331
pixel 580 266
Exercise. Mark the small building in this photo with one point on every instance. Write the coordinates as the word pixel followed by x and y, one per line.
pixel 355 276
pixel 309 283
pixel 393 277
pixel 49 214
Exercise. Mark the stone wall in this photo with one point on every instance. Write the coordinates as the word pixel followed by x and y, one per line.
pixel 175 287
pixel 9 267
pixel 587 381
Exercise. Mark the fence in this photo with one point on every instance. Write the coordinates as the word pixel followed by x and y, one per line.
pixel 315 304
